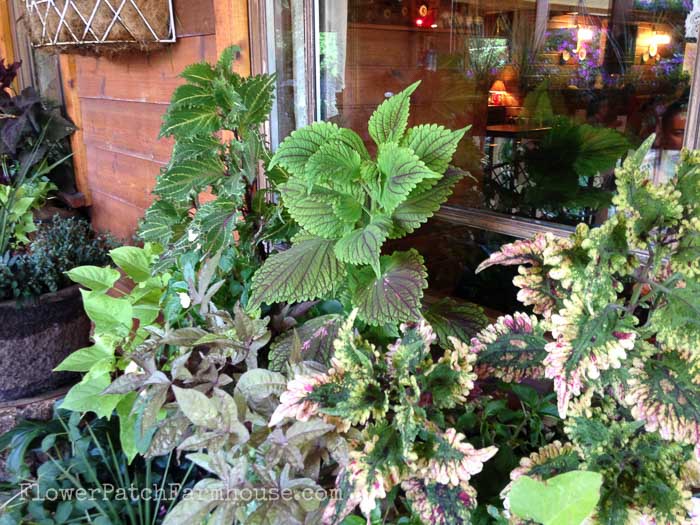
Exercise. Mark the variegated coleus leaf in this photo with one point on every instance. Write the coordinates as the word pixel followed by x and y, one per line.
pixel 511 349
pixel 537 287
pixel 664 392
pixel 590 337
pixel 440 504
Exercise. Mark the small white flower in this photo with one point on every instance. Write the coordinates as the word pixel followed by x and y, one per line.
pixel 192 235
pixel 185 300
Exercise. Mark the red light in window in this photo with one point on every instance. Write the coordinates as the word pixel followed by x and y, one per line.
pixel 419 22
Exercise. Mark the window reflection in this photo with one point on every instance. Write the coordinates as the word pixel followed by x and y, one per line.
pixel 554 92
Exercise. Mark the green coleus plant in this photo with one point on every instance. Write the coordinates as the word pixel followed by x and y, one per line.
pixel 348 204
pixel 391 403
pixel 617 331
pixel 207 198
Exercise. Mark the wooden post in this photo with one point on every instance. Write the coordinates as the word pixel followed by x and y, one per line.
pixel 69 79
pixel 232 29
pixel 6 48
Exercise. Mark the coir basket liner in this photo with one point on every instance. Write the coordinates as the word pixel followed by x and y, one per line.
pixel 35 338
pixel 100 25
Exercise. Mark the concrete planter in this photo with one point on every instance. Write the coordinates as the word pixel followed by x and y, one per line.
pixel 35 338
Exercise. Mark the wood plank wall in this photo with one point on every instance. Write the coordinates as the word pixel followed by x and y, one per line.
pixel 122 100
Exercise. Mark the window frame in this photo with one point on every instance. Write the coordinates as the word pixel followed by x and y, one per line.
pixel 261 29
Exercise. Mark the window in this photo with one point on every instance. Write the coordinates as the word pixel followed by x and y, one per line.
pixel 554 91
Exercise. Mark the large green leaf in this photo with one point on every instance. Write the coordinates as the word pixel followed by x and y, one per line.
pixel 295 150
pixel 159 222
pixel 188 176
pixel 257 94
pixel 567 499
pixel 200 73
pixel 84 359
pixel 452 318
pixel 361 246
pixel 333 162
pixel 308 270
pixel 395 295
pixel 600 149
pixel 216 220
pixel 388 123
pixel 313 212
pixel 206 146
pixel 136 262
pixel 422 203
pixel 435 145
pixel 402 171
pixel 189 95
pixel 110 314
pixel 87 395
pixel 94 277
pixel 188 122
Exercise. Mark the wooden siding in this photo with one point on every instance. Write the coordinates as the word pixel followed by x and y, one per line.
pixel 121 103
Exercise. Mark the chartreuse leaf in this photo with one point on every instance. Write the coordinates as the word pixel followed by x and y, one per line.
pixel 422 203
pixel 361 246
pixel 94 277
pixel 110 314
pixel 84 359
pixel 567 499
pixel 136 262
pixel 127 426
pixel 308 270
pixel 402 171
pixel 295 150
pixel 393 296
pixel 334 162
pixel 87 395
pixel 353 140
pixel 435 145
pixel 314 213
pixel 388 123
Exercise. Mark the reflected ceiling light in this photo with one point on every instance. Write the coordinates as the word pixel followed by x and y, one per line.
pixel 585 34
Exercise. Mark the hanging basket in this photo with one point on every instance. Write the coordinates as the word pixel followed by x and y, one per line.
pixel 100 26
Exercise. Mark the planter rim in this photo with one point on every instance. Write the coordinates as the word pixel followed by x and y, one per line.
pixel 47 298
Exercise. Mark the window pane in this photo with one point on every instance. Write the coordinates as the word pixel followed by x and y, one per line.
pixel 554 92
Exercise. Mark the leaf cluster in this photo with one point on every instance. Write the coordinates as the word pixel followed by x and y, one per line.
pixel 348 205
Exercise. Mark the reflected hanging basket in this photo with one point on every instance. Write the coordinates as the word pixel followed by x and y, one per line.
pixel 100 26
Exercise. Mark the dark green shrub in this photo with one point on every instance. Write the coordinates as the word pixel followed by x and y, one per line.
pixel 59 246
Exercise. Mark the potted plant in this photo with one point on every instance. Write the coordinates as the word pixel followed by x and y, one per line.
pixel 41 317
